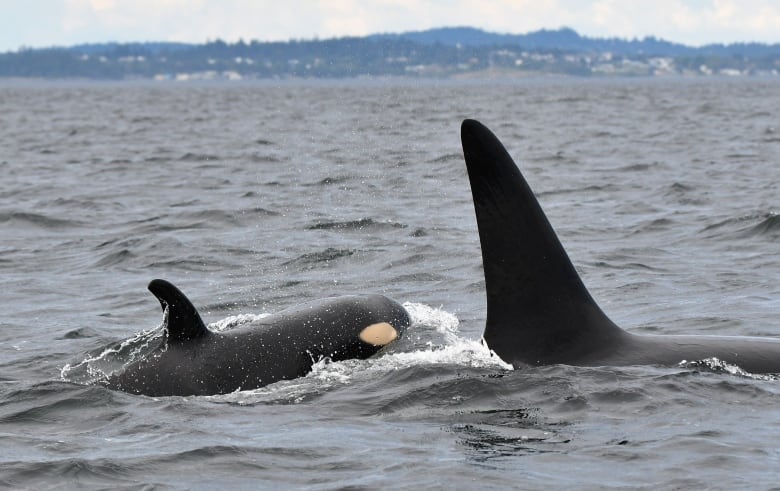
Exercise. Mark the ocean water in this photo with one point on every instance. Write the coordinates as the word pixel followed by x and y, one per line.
pixel 252 197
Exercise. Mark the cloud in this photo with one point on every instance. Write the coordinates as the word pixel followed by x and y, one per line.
pixel 723 21
pixel 75 21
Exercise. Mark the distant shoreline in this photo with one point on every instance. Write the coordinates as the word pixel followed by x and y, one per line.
pixel 434 54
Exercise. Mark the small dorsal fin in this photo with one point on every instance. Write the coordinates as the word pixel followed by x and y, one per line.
pixel 183 322
pixel 538 309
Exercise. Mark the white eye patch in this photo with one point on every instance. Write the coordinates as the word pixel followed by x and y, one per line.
pixel 378 334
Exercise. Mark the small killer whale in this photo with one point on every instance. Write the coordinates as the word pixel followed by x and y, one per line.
pixel 194 360
pixel 538 309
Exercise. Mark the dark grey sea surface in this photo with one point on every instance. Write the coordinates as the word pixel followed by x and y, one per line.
pixel 254 197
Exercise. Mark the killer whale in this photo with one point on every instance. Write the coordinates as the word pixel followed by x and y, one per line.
pixel 194 360
pixel 539 312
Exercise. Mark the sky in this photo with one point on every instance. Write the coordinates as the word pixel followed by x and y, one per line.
pixel 42 23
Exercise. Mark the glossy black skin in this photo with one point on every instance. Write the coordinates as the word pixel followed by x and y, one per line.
pixel 538 310
pixel 193 360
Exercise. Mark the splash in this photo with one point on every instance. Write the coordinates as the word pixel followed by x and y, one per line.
pixel 444 322
pixel 98 365
pixel 451 349
pixel 234 321
pixel 719 366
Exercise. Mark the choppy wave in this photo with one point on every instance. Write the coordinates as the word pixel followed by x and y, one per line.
pixel 768 227
pixel 115 258
pixel 329 181
pixel 24 218
pixel 363 224
pixel 449 157
pixel 313 259
pixel 198 157
pixel 745 226
pixel 582 190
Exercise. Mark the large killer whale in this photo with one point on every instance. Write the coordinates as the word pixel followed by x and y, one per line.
pixel 194 360
pixel 538 309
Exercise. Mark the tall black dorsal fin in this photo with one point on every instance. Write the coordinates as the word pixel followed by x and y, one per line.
pixel 183 321
pixel 538 310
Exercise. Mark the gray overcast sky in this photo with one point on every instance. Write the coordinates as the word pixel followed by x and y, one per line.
pixel 38 23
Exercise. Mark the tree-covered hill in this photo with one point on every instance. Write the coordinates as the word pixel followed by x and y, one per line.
pixel 436 52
